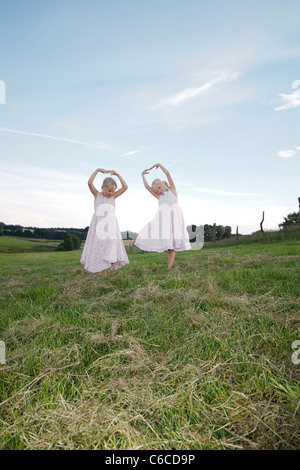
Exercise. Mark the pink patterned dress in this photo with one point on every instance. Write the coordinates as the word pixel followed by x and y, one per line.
pixel 104 247
pixel 167 231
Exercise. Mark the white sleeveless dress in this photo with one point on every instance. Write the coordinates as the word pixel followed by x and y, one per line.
pixel 167 231
pixel 104 247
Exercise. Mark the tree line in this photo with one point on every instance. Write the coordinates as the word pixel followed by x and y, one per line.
pixel 216 232
pixel 45 233
pixel 220 231
pixel 73 237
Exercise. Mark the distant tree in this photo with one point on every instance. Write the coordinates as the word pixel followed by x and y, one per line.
pixel 71 242
pixel 220 230
pixel 27 233
pixel 291 219
pixel 38 233
pixel 227 232
pixel 207 232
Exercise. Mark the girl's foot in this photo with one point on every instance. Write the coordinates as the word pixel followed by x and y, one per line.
pixel 171 256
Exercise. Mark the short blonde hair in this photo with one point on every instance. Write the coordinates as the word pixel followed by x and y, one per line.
pixel 157 180
pixel 109 182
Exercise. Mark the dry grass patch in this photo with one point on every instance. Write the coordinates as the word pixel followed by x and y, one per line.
pixel 196 358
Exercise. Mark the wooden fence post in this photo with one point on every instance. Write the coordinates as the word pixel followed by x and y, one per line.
pixel 261 224
pixel 213 234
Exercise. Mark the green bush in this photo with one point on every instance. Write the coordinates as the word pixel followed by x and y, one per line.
pixel 71 242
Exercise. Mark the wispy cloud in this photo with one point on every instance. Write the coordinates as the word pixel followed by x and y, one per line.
pixel 99 146
pixel 287 153
pixel 133 152
pixel 32 177
pixel 291 100
pixel 220 192
pixel 189 93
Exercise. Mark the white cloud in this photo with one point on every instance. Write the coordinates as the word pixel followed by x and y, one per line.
pixel 189 93
pixel 286 153
pixel 291 100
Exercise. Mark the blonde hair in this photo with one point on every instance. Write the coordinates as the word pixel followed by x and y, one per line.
pixel 157 180
pixel 109 182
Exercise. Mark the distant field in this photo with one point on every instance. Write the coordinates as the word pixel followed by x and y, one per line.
pixel 19 244
pixel 33 245
pixel 196 357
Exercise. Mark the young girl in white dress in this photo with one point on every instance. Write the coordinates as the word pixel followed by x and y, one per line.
pixel 167 232
pixel 104 247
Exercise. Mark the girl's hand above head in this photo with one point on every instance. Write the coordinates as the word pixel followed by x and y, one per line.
pixel 102 170
pixel 156 166
pixel 145 172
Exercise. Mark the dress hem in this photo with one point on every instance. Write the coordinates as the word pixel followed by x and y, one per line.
pixel 160 250
pixel 110 265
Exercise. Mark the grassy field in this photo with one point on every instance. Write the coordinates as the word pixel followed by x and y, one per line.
pixel 23 245
pixel 197 357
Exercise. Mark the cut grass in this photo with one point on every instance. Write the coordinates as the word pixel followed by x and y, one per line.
pixel 197 357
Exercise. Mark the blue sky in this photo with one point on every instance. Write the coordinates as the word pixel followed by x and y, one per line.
pixel 209 89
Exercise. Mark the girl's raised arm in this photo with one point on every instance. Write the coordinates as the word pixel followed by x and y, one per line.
pixel 123 183
pixel 146 172
pixel 91 181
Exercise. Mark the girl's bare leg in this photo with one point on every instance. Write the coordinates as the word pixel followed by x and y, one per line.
pixel 171 256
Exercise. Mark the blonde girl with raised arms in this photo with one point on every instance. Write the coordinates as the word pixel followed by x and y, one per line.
pixel 167 232
pixel 104 247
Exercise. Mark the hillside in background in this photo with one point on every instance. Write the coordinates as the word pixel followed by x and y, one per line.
pixel 217 232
